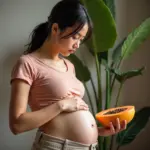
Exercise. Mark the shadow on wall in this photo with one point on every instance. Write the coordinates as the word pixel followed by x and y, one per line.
pixel 10 141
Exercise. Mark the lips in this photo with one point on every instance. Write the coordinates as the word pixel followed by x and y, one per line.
pixel 71 51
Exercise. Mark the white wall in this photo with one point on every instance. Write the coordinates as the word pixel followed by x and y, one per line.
pixel 17 19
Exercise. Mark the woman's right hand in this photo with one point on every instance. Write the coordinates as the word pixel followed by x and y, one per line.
pixel 72 104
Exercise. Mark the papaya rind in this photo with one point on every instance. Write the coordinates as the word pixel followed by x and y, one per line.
pixel 105 120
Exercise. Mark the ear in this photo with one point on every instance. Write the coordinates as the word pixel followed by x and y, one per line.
pixel 55 29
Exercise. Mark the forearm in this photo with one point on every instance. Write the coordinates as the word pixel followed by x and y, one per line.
pixel 32 120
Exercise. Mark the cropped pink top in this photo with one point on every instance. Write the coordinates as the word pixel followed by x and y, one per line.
pixel 48 84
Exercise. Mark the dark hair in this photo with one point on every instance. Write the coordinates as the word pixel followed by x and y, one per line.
pixel 66 13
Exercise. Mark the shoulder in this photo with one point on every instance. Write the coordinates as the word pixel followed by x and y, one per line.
pixel 24 70
pixel 24 59
pixel 24 63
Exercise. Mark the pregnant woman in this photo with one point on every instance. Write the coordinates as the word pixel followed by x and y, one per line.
pixel 45 80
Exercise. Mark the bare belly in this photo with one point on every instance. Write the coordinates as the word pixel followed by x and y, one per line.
pixel 79 126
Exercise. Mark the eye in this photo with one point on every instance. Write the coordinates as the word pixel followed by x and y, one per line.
pixel 75 37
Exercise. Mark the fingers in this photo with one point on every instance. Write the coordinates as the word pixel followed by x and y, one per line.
pixel 119 126
pixel 81 105
pixel 75 103
pixel 124 125
pixel 68 95
pixel 112 129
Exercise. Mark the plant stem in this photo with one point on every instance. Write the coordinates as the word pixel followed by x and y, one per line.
pixel 111 142
pixel 90 100
pixel 118 147
pixel 99 82
pixel 108 98
pixel 100 142
pixel 99 106
pixel 114 77
pixel 117 101
pixel 118 95
pixel 106 143
pixel 96 98
pixel 98 70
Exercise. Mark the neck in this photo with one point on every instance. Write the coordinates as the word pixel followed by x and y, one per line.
pixel 50 51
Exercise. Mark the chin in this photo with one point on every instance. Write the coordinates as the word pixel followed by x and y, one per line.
pixel 65 55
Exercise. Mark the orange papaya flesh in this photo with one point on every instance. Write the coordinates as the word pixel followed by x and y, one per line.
pixel 110 115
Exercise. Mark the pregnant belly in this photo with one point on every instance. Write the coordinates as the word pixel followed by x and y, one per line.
pixel 79 126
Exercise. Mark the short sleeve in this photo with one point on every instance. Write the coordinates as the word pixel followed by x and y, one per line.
pixel 23 70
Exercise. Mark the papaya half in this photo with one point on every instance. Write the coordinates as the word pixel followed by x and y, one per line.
pixel 110 115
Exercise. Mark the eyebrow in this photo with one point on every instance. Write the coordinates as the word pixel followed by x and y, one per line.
pixel 80 35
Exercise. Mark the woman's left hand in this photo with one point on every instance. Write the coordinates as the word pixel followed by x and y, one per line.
pixel 120 126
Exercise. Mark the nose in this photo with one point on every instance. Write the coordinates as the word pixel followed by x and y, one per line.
pixel 77 45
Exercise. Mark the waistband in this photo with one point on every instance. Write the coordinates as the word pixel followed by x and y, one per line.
pixel 62 143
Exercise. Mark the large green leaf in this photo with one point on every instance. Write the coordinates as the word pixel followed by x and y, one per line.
pixel 82 72
pixel 135 38
pixel 123 76
pixel 134 127
pixel 104 32
pixel 116 52
pixel 111 5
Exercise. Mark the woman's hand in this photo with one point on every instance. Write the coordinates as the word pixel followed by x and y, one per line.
pixel 71 104
pixel 120 126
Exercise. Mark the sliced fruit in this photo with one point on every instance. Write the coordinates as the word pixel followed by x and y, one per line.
pixel 110 115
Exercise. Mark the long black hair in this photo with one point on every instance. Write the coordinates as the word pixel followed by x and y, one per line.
pixel 65 13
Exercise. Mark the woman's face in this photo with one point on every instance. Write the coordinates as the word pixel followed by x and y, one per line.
pixel 70 45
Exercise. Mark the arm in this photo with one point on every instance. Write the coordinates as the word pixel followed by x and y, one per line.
pixel 20 120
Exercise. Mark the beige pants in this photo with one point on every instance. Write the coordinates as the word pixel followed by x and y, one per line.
pixel 47 142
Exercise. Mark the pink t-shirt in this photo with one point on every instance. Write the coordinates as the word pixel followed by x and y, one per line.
pixel 48 84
